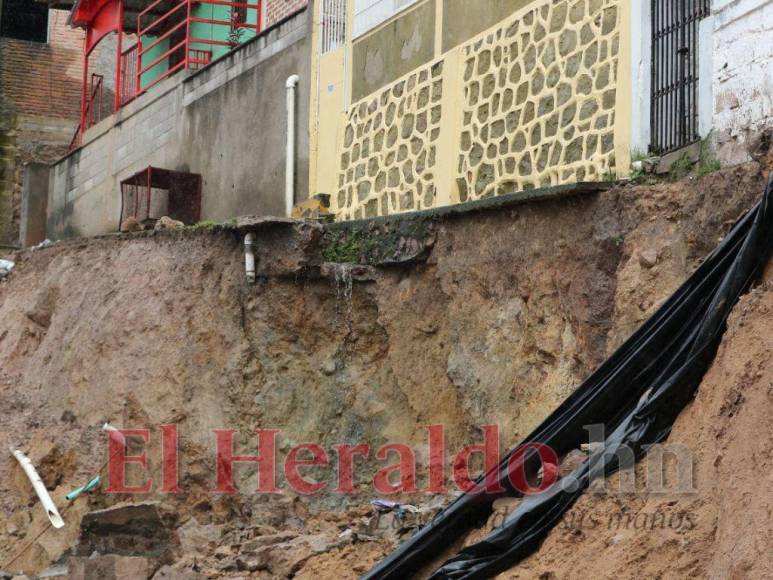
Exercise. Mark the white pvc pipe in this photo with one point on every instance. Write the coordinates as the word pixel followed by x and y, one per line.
pixel 249 257
pixel 40 488
pixel 291 85
pixel 114 434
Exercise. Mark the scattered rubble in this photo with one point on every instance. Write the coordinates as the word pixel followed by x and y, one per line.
pixel 167 223
pixel 5 268
pixel 131 224
pixel 316 208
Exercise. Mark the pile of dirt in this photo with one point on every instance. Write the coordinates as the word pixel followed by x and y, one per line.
pixel 511 309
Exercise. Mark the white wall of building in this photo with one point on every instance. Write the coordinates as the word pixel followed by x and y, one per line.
pixel 641 74
pixel 368 14
pixel 735 75
pixel 742 75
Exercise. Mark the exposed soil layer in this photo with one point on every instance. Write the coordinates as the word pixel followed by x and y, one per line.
pixel 511 309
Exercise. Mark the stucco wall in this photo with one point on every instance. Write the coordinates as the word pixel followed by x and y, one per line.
pixel 394 50
pixel 225 122
pixel 463 19
pixel 243 125
pixel 369 14
pixel 742 75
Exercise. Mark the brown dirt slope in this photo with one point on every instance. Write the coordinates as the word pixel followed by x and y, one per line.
pixel 513 308
pixel 724 529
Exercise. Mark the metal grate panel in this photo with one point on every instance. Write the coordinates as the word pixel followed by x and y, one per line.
pixel 153 193
pixel 674 117
pixel 332 24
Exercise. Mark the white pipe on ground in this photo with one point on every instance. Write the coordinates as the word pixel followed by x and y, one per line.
pixel 291 86
pixel 40 488
pixel 249 257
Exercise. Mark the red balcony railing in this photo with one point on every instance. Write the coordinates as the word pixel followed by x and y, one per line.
pixel 173 32
pixel 93 111
pixel 129 83
pixel 168 42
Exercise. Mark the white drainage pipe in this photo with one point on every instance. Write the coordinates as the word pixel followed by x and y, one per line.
pixel 249 257
pixel 114 434
pixel 291 85
pixel 40 488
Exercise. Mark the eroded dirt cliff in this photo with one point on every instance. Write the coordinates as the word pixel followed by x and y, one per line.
pixel 511 309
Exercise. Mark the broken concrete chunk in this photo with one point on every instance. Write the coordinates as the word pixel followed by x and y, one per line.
pixel 315 208
pixel 167 223
pixel 109 567
pixel 126 530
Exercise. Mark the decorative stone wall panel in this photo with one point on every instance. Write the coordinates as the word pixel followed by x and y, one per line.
pixel 389 157
pixel 539 100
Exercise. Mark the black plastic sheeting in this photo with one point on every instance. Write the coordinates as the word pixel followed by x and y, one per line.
pixel 637 394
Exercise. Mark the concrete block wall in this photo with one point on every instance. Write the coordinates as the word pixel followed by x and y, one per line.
pixel 226 122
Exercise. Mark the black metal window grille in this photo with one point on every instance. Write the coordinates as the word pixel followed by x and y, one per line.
pixel 24 20
pixel 674 100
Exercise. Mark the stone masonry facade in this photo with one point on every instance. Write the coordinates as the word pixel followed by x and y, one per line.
pixel 534 100
pixel 388 164
pixel 540 95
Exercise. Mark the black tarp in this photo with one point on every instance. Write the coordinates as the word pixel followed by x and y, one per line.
pixel 636 394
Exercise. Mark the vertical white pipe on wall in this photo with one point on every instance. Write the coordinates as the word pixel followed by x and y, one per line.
pixel 291 85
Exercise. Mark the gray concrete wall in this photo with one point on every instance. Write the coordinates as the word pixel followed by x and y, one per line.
pixel 226 122
pixel 245 124
pixel 34 203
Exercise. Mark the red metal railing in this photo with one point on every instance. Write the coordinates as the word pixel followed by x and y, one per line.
pixel 129 84
pixel 77 139
pixel 94 104
pixel 172 31
pixel 199 58
pixel 181 51
pixel 93 110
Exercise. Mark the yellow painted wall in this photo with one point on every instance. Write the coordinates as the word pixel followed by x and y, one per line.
pixel 330 119
pixel 542 98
